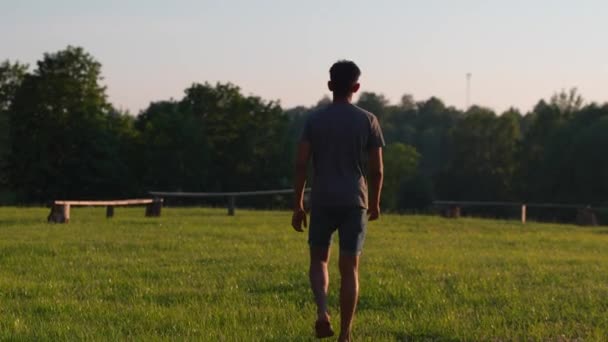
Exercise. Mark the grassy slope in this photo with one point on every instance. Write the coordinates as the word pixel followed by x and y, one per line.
pixel 199 274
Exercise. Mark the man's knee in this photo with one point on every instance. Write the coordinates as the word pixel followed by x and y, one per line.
pixel 319 255
pixel 349 264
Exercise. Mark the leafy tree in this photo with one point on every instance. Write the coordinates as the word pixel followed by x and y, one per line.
pixel 416 193
pixel 407 102
pixel 433 124
pixel 244 134
pixel 11 76
pixel 215 139
pixel 324 101
pixel 60 137
pixel 401 164
pixel 400 123
pixel 574 162
pixel 567 101
pixel 483 161
pixel 61 131
pixel 173 152
pixel 590 162
pixel 374 103
pixel 543 123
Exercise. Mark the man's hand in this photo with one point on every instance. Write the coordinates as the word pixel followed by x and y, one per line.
pixel 373 213
pixel 298 220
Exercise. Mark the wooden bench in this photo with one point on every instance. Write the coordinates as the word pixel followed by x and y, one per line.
pixel 60 210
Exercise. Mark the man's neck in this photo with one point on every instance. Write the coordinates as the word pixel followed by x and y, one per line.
pixel 343 99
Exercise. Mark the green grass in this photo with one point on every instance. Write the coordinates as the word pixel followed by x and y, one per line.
pixel 197 274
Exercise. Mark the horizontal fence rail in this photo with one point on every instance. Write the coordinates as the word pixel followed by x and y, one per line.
pixel 515 204
pixel 230 195
pixel 585 212
pixel 221 194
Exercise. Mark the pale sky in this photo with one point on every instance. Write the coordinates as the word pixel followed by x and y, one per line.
pixel 517 51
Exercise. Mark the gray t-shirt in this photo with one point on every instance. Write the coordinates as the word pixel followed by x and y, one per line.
pixel 340 136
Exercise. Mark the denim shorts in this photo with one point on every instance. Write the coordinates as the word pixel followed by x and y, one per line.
pixel 351 223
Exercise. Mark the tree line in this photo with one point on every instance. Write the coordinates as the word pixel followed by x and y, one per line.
pixel 60 137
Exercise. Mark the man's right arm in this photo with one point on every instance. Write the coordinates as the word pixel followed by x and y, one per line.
pixel 299 215
pixel 376 177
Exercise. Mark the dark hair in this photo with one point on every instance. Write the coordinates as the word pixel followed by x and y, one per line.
pixel 343 75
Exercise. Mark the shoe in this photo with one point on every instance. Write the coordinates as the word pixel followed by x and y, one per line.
pixel 323 329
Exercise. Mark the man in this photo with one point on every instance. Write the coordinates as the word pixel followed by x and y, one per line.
pixel 340 138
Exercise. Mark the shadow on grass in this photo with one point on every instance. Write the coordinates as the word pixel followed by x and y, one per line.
pixel 21 222
pixel 143 222
pixel 6 223
pixel 404 337
pixel 194 212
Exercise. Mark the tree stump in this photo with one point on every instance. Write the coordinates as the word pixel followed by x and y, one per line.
pixel 153 209
pixel 586 217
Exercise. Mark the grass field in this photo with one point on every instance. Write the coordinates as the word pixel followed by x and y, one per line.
pixel 197 274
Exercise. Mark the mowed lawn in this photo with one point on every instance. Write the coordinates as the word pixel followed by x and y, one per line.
pixel 197 274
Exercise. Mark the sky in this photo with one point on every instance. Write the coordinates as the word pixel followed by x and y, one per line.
pixel 517 51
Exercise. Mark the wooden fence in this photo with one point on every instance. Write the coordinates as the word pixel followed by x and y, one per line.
pixel 585 213
pixel 230 196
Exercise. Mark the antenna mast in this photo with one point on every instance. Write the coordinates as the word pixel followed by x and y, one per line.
pixel 468 98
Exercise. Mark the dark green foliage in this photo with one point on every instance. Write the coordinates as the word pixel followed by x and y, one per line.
pixel 416 194
pixel 483 161
pixel 173 153
pixel 63 131
pixel 574 165
pixel 11 76
pixel 60 137
pixel 214 139
pixel 400 166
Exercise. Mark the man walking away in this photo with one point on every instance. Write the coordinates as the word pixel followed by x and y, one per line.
pixel 341 138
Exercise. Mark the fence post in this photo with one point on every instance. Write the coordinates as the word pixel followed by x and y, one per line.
pixel 109 211
pixel 231 205
pixel 523 214
pixel 452 211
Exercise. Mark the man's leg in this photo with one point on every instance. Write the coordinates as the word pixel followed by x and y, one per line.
pixel 319 280
pixel 349 293
pixel 352 236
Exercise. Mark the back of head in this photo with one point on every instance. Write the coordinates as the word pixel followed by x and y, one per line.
pixel 344 76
